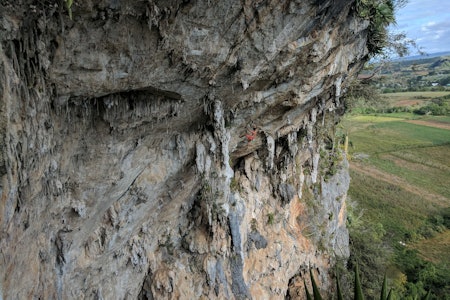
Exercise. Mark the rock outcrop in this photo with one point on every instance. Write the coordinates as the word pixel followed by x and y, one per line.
pixel 173 149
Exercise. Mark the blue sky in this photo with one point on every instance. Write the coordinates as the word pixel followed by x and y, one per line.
pixel 427 22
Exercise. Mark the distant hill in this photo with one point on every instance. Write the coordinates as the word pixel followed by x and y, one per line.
pixel 425 56
pixel 440 63
pixel 419 72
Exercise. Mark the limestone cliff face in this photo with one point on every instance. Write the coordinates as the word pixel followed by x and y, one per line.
pixel 125 167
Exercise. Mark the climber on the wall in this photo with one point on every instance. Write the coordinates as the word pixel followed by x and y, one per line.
pixel 251 134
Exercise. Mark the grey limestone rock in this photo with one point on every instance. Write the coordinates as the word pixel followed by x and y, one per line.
pixel 143 140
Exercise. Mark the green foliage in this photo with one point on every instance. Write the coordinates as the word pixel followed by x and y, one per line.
pixel 234 185
pixel 383 295
pixel 445 213
pixel 254 225
pixel 308 294
pixel 330 162
pixel 316 292
pixel 270 218
pixel 358 288
pixel 362 97
pixel 338 287
pixel 69 7
pixel 423 275
pixel 380 13
pixel 404 221
pixel 209 197
pixel 437 107
pixel 367 249
pixel 206 193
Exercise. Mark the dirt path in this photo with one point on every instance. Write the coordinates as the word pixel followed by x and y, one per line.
pixel 430 124
pixel 390 178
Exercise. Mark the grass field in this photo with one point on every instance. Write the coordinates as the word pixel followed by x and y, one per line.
pixel 413 99
pixel 416 95
pixel 401 179
pixel 418 154
pixel 390 205
pixel 437 248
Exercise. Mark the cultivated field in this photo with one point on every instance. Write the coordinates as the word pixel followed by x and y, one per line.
pixel 400 168
pixel 404 166
pixel 413 99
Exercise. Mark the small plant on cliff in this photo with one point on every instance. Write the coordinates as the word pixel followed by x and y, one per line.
pixel 330 162
pixel 254 225
pixel 270 218
pixel 234 185
pixel 209 196
pixel 168 244
pixel 69 7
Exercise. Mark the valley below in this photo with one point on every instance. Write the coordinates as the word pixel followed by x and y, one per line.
pixel 400 194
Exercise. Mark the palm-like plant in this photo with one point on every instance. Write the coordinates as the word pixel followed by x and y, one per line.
pixel 358 291
pixel 380 13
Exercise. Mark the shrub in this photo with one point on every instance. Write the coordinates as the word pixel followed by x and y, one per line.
pixel 380 14
pixel 437 107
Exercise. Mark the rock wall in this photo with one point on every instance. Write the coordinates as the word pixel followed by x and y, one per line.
pixel 173 149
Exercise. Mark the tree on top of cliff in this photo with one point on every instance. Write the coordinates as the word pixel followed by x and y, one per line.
pixel 381 14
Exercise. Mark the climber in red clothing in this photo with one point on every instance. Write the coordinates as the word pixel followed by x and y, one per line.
pixel 251 134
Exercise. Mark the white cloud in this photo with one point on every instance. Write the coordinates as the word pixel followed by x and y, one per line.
pixel 426 27
pixel 426 22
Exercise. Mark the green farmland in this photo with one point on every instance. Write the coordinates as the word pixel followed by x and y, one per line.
pixel 400 169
